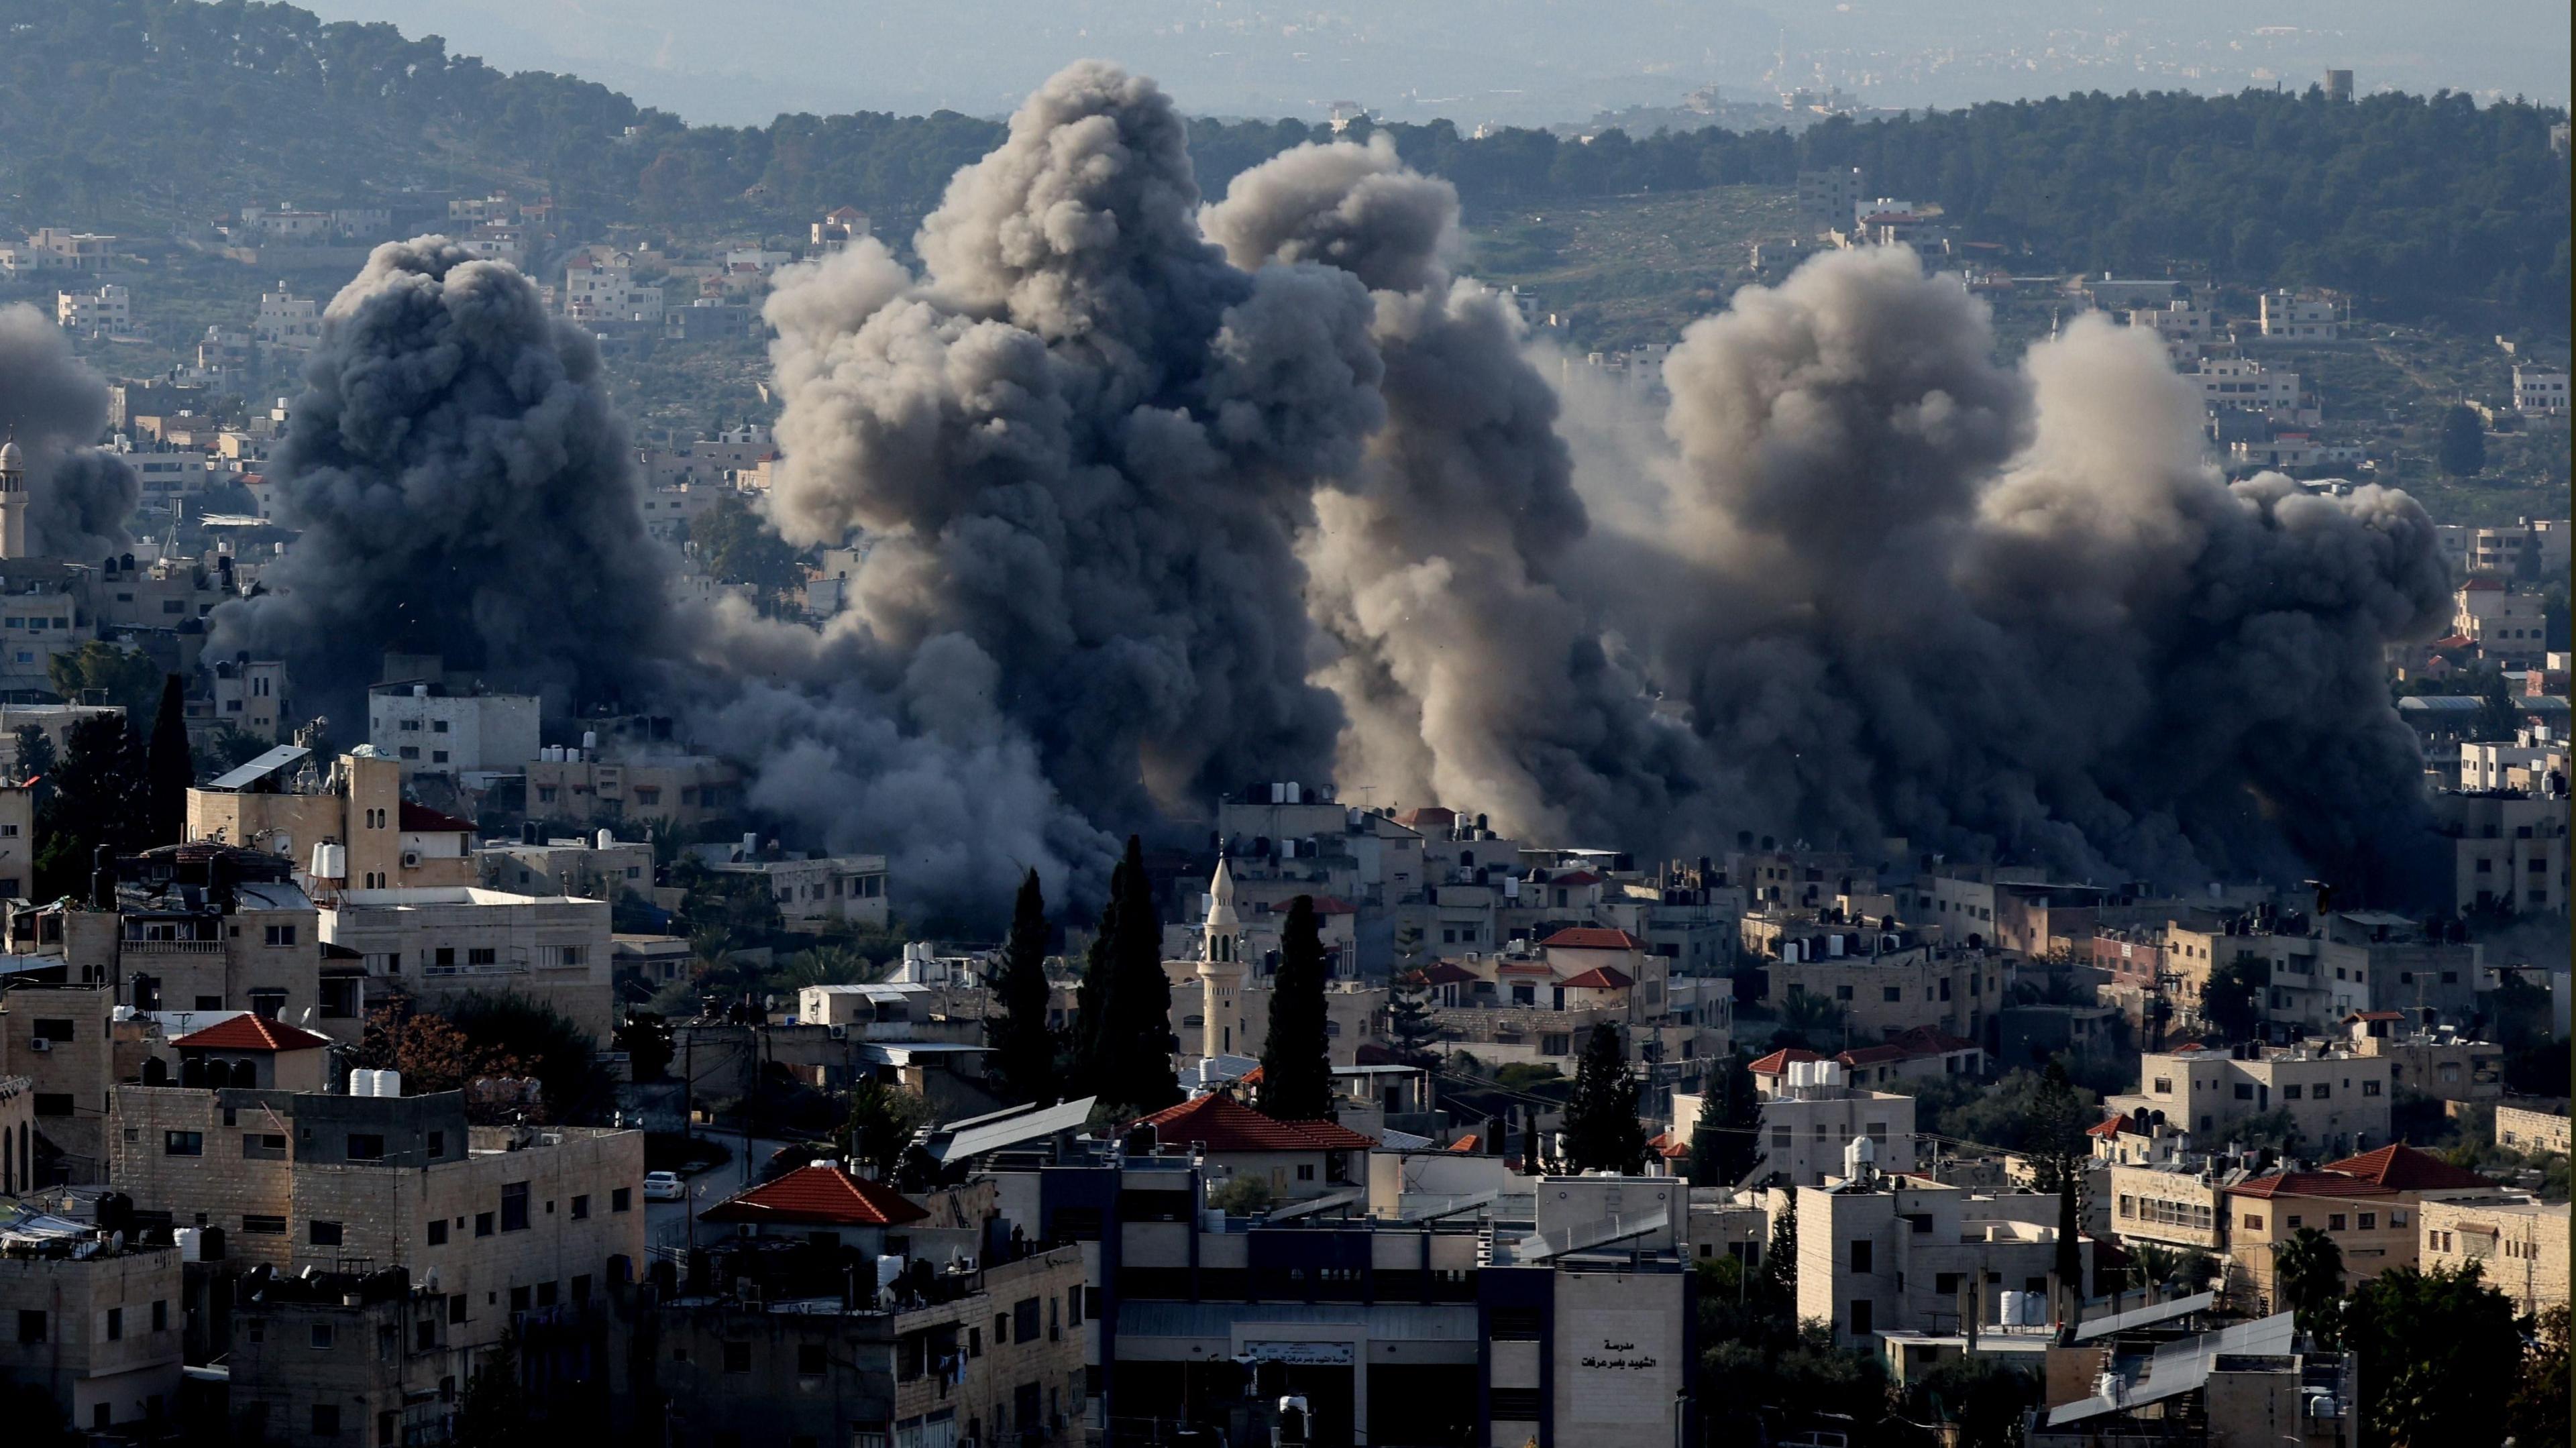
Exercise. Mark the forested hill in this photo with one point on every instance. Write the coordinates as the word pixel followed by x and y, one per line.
pixel 153 114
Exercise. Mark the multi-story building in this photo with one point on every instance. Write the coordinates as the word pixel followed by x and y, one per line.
pixel 1829 200
pixel 2540 391
pixel 438 944
pixel 1880 1253
pixel 343 827
pixel 2504 625
pixel 104 313
pixel 251 695
pixel 679 790
pixel 2530 1127
pixel 2518 1244
pixel 96 1325
pixel 498 1221
pixel 2336 1098
pixel 343 1356
pixel 432 731
pixel 2239 384
pixel 601 868
pixel 2183 328
pixel 2366 1204
pixel 2178 1203
pixel 2287 316
pixel 288 322
pixel 822 890
pixel 1808 1126
pixel 2442 1063
pixel 2508 852
pixel 1882 983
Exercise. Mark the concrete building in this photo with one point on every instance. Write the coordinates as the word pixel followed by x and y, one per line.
pixel 822 890
pixel 2337 1098
pixel 1880 1253
pixel 96 1326
pixel 2441 1064
pixel 2508 851
pixel 1294 1159
pixel 2288 316
pixel 288 322
pixel 343 827
pixel 2519 1245
pixel 2367 1204
pixel 105 313
pixel 1829 200
pixel 2505 625
pixel 251 696
pixel 2529 1128
pixel 1808 1128
pixel 680 790
pixel 343 1356
pixel 2239 384
pixel 599 868
pixel 438 944
pixel 432 731
pixel 2540 391
pixel 2246 1383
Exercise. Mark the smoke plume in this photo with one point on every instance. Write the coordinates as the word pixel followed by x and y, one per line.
pixel 78 496
pixel 2019 614
pixel 1467 675
pixel 463 489
pixel 1082 443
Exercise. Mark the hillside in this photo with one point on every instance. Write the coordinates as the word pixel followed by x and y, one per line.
pixel 153 116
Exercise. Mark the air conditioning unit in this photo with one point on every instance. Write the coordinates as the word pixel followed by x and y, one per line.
pixel 411 859
pixel 839 1033
pixel 39 1043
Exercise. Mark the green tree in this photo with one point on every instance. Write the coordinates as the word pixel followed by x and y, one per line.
pixel 1778 1281
pixel 1808 1022
pixel 2232 1002
pixel 2307 1270
pixel 2462 450
pixel 496 1409
pixel 1602 1132
pixel 1410 1024
pixel 1124 1004
pixel 168 769
pixel 101 672
pixel 1984 1397
pixel 36 762
pixel 1023 1065
pixel 880 1124
pixel 2538 1412
pixel 1726 1140
pixel 738 546
pixel 2440 1355
pixel 97 800
pixel 1296 1060
pixel 228 748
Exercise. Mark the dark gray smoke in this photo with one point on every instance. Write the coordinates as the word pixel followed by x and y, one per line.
pixel 1083 443
pixel 2020 613
pixel 78 496
pixel 1467 675
pixel 463 489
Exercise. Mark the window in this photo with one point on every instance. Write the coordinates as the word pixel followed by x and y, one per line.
pixel 366 1147
pixel 2369 1088
pixel 268 1004
pixel 2320 1093
pixel 438 1143
pixel 411 751
pixel 482 955
pixel 2164 1086
pixel 514 1207
pixel 438 756
pixel 281 935
pixel 2334 1221
pixel 456 1308
pixel 1515 1324
pixel 264 1226
pixel 326 1420
pixel 50 1029
pixel 438 1232
pixel 521 1299
pixel 1306 1171
pixel 183 1143
pixel 1891 993
pixel 482 1224
pixel 546 1294
pixel 321 1337
pixel 580 1209
pixel 2253 1223
pixel 161 1316
pixel 1842 992
pixel 53 1103
pixel 2369 1221
pixel 2397 1216
pixel 1860 1254
pixel 621 1199
pixel 737 1357
pixel 581 1287
pixel 2244 1091
pixel 1860 1317
pixel 2292 1224
pixel 31 1326
pixel 809 1360
pixel 1024 1320
pixel 115 1324
pixel 2289 1093
pixel 322 1234
pixel 437 726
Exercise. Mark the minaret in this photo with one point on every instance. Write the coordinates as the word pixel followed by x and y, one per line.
pixel 1220 968
pixel 13 499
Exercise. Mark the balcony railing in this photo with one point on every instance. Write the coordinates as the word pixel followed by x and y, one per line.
pixel 170 947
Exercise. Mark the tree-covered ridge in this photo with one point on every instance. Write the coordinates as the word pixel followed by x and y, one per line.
pixel 174 109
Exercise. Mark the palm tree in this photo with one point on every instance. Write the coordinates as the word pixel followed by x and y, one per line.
pixel 1811 1018
pixel 2307 1276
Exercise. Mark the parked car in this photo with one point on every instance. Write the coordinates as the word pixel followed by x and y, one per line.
pixel 664 1186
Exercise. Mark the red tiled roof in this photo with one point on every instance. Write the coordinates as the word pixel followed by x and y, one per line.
pixel 1221 1123
pixel 2107 1129
pixel 1449 972
pixel 1464 1143
pixel 1777 1063
pixel 1872 1055
pixel 1664 1146
pixel 821 1195
pixel 1600 977
pixel 251 1033
pixel 2404 1168
pixel 1334 905
pixel 1591 937
pixel 2310 1184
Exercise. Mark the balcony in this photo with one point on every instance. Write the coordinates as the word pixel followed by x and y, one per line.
pixel 170 947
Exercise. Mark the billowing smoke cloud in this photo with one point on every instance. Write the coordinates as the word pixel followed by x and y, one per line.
pixel 1083 442
pixel 2019 613
pixel 463 489
pixel 78 497
pixel 1467 675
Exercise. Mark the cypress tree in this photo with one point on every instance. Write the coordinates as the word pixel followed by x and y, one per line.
pixel 1779 1279
pixel 1023 1046
pixel 1602 1132
pixel 1091 997
pixel 1135 1043
pixel 168 769
pixel 1296 1067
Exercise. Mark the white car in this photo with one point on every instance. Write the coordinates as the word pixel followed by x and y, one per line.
pixel 664 1186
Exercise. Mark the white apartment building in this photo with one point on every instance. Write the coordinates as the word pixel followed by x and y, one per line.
pixel 600 286
pixel 1806 1129
pixel 2338 1099
pixel 1881 1254
pixel 2182 327
pixel 2538 391
pixel 107 312
pixel 434 732
pixel 843 889
pixel 2508 627
pixel 442 943
pixel 288 321
pixel 2538 544
pixel 2290 317
pixel 2242 384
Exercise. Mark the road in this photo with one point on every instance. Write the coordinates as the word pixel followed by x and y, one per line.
pixel 666 1224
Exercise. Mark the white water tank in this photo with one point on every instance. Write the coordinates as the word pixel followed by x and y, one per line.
pixel 607 839
pixel 1802 1074
pixel 2008 1308
pixel 330 862
pixel 1860 1154
pixel 589 740
pixel 362 1081
pixel 192 1244
pixel 1834 945
pixel 2034 1309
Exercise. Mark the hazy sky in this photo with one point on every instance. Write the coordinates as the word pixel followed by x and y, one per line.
pixel 1519 61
